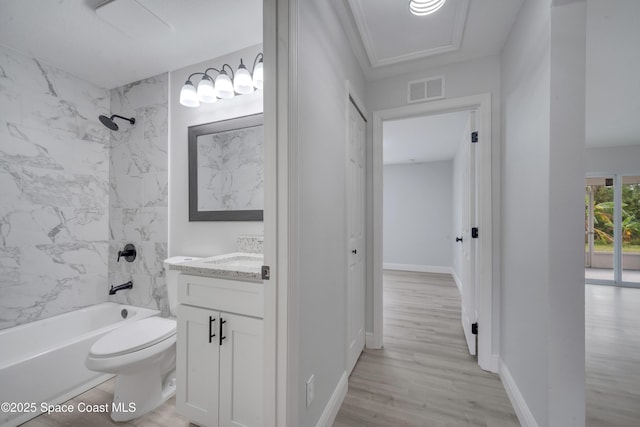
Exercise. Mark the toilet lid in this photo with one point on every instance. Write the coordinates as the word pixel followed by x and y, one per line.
pixel 134 336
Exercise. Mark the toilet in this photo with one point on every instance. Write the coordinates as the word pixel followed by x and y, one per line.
pixel 142 354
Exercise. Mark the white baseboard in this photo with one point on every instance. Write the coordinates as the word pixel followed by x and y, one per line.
pixel 494 363
pixel 335 402
pixel 418 268
pixel 457 280
pixel 370 341
pixel 517 400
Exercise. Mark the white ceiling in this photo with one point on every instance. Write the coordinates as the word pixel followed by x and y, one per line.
pixel 613 73
pixel 423 139
pixel 422 36
pixel 68 34
pixel 395 41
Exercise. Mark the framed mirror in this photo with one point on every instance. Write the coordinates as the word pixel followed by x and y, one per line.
pixel 226 170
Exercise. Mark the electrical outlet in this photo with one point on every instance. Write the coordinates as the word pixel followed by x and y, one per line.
pixel 310 390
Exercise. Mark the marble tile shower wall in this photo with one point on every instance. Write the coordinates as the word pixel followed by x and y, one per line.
pixel 54 191
pixel 138 189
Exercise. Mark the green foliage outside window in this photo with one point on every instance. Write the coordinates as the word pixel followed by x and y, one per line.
pixel 603 217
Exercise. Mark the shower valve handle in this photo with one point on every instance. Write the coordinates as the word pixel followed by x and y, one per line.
pixel 129 253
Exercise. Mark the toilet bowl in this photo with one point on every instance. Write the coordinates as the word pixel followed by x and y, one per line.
pixel 142 354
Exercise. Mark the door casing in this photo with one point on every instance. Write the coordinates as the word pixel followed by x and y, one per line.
pixel 488 309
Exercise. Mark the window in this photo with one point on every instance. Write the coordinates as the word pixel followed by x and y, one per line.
pixel 612 230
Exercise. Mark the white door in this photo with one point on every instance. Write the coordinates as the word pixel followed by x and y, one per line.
pixel 241 371
pixel 355 234
pixel 197 363
pixel 468 288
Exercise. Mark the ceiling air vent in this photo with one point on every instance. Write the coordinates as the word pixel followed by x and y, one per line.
pixel 133 18
pixel 425 89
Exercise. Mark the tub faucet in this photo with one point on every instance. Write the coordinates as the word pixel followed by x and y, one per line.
pixel 114 289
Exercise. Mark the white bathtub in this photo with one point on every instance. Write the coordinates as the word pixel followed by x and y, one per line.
pixel 43 361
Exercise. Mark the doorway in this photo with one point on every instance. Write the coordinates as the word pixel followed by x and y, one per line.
pixel 481 104
pixel 429 202
pixel 612 230
pixel 612 297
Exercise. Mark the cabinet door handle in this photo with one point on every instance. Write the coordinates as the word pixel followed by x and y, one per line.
pixel 221 323
pixel 211 335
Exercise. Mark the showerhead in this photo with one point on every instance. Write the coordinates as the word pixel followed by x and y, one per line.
pixel 108 121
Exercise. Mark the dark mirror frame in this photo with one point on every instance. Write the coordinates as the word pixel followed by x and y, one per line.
pixel 205 129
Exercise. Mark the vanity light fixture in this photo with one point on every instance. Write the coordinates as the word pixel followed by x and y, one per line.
pixel 425 7
pixel 258 76
pixel 206 91
pixel 225 85
pixel 188 95
pixel 243 82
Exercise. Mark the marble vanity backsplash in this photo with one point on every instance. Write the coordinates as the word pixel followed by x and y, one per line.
pixel 251 244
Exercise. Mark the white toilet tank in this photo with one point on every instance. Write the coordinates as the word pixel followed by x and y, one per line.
pixel 172 280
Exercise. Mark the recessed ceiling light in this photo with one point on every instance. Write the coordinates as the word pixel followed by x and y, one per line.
pixel 425 7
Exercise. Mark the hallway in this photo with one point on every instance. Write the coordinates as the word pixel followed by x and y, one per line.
pixel 424 375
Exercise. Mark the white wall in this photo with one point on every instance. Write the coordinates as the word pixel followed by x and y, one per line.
pixel 613 66
pixel 613 160
pixel 324 57
pixel 203 238
pixel 418 216
pixel 525 187
pixel 542 341
pixel 461 79
pixel 566 209
pixel 613 139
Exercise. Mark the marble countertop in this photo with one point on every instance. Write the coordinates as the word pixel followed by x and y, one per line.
pixel 236 265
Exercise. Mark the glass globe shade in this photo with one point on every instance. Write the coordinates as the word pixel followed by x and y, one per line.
pixel 188 95
pixel 206 91
pixel 258 77
pixel 224 87
pixel 242 82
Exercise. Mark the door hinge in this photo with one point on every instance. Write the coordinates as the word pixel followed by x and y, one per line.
pixel 474 136
pixel 474 328
pixel 474 232
pixel 266 272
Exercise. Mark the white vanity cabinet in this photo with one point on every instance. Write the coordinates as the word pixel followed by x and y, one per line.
pixel 219 366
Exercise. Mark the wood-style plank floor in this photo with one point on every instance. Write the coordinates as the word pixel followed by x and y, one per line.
pixel 424 375
pixel 163 416
pixel 612 318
